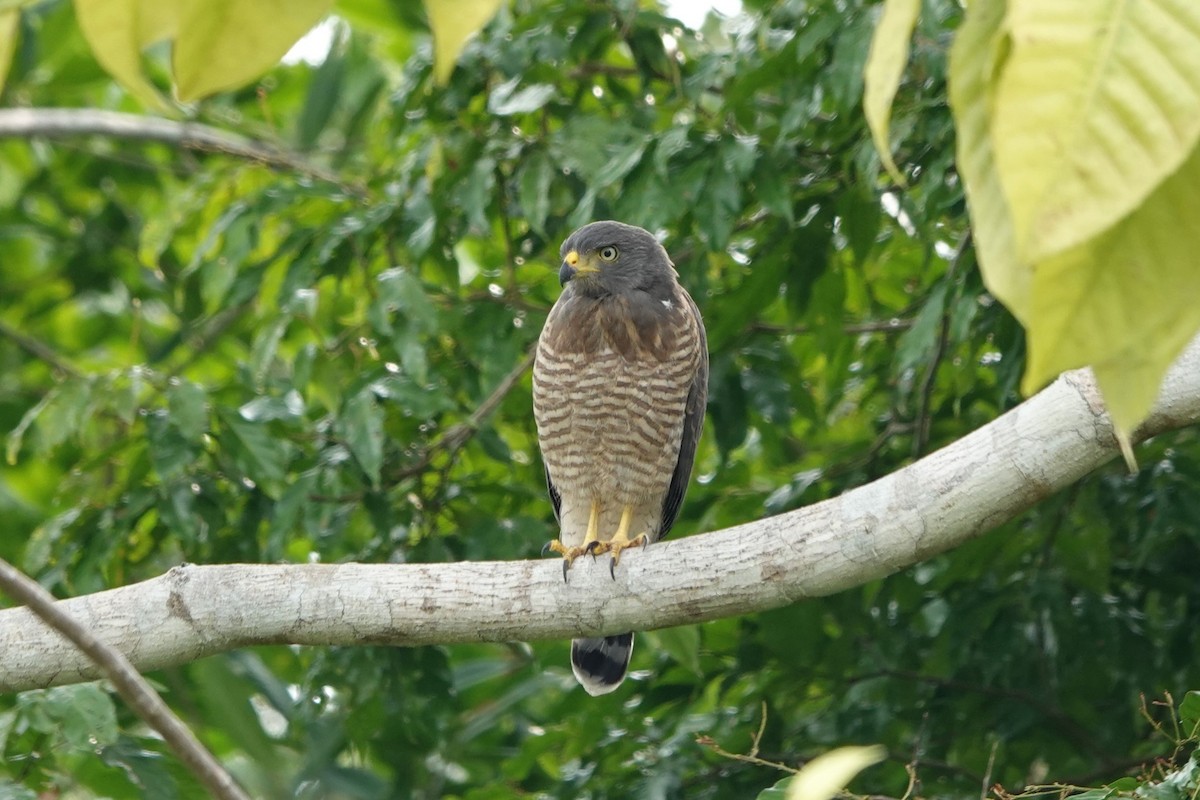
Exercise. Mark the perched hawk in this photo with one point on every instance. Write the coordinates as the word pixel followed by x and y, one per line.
pixel 619 387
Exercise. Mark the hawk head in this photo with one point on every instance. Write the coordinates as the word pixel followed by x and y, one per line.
pixel 614 258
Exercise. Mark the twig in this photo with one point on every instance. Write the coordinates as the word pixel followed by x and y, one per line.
pixel 128 682
pixel 873 326
pixel 60 123
pixel 762 726
pixel 752 756
pixel 38 349
pixel 453 439
pixel 987 772
pixel 924 416
pixel 1067 726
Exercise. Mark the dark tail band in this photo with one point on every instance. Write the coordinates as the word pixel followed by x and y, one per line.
pixel 600 664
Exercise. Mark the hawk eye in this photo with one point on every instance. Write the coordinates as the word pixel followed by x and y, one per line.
pixel 607 253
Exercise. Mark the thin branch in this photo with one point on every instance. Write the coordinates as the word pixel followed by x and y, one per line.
pixel 140 696
pixel 986 783
pixel 752 756
pixel 1066 725
pixel 39 349
pixel 872 326
pixel 947 498
pixel 60 123
pixel 458 435
pixel 925 414
pixel 454 437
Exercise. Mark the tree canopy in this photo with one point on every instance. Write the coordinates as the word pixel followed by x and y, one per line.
pixel 302 333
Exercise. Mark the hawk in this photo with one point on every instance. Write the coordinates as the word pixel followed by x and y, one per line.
pixel 620 382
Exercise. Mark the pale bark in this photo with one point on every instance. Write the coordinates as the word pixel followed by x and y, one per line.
pixel 955 494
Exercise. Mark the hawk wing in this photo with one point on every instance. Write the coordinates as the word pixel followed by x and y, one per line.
pixel 693 424
pixel 555 497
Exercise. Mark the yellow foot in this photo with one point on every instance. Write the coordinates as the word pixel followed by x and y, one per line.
pixel 620 542
pixel 590 543
pixel 617 546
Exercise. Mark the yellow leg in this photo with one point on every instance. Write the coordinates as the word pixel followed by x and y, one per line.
pixel 593 529
pixel 621 540
pixel 591 541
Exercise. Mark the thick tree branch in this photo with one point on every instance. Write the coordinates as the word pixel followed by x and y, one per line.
pixel 136 691
pixel 946 498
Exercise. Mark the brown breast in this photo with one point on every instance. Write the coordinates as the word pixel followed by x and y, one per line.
pixel 610 382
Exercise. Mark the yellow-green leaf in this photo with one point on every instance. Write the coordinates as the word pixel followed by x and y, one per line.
pixel 978 54
pixel 885 67
pixel 1124 302
pixel 10 20
pixel 828 773
pixel 223 44
pixel 1098 102
pixel 453 22
pixel 113 29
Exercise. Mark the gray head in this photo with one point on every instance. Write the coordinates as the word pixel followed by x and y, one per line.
pixel 611 257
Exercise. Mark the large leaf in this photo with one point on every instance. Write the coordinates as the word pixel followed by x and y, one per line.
pixel 977 54
pixel 1124 302
pixel 117 30
pixel 10 20
pixel 218 45
pixel 828 773
pixel 1098 102
pixel 227 43
pixel 453 22
pixel 885 67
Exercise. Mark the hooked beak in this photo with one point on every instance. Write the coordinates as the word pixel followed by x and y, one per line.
pixel 573 266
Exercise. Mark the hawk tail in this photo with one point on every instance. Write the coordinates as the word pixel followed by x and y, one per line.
pixel 600 664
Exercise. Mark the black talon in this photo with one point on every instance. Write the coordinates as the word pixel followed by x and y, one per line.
pixel 591 548
pixel 612 568
pixel 566 565
pixel 546 547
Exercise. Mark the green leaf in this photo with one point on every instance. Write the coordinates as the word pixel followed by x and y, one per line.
pixel 64 413
pixel 224 44
pixel 170 452
pixel 918 342
pixel 978 52
pixel 1124 303
pixel 16 437
pixel 188 408
pixel 117 30
pixel 148 770
pixel 83 715
pixel 683 645
pixel 453 22
pixel 1189 713
pixel 860 215
pixel 885 67
pixel 227 698
pixel 291 505
pixel 533 190
pixel 778 791
pixel 361 425
pixel 404 291
pixel 10 23
pixel 259 454
pixel 264 409
pixel 324 94
pixel 506 99
pixel 1095 105
pixel 14 791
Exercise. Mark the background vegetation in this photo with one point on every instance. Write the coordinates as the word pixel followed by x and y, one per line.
pixel 210 359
